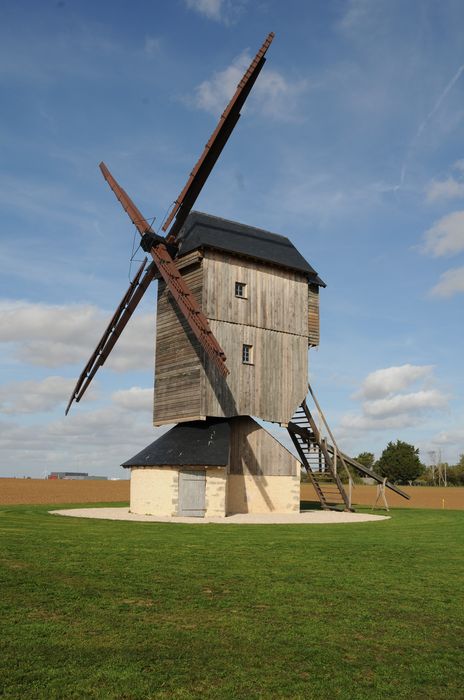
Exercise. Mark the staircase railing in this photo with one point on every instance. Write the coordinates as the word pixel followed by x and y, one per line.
pixel 305 434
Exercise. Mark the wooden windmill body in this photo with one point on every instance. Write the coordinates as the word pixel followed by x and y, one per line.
pixel 237 309
pixel 261 299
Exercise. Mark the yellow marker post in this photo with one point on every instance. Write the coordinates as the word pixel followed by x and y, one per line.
pixel 443 503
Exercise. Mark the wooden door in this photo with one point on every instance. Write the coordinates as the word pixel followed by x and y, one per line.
pixel 192 489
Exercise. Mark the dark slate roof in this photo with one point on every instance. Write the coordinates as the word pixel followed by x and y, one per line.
pixel 197 443
pixel 206 231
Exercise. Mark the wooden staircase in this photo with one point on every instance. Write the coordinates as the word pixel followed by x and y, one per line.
pixel 316 457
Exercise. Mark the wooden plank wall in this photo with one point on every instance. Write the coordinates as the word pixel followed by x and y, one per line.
pixel 274 320
pixel 254 451
pixel 276 298
pixel 177 354
pixel 313 315
pixel 271 388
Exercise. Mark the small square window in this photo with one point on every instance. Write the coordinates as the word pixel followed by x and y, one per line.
pixel 240 290
pixel 247 354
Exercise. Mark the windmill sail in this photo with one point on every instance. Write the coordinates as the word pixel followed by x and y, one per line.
pixel 167 268
pixel 114 329
pixel 216 143
pixel 140 223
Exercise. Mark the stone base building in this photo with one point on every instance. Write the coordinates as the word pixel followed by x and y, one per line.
pixel 214 468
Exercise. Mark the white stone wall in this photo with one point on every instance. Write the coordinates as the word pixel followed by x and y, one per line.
pixel 248 493
pixel 216 491
pixel 154 490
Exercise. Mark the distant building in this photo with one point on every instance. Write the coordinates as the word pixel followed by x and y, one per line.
pixel 77 476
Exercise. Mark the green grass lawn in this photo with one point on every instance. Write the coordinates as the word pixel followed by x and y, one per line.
pixel 101 609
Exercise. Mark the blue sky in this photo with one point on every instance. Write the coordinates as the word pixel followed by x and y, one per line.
pixel 351 144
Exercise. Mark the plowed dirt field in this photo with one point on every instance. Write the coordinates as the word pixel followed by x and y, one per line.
pixel 36 491
pixel 451 498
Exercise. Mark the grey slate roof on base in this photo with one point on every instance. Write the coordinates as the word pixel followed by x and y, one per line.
pixel 197 443
pixel 206 231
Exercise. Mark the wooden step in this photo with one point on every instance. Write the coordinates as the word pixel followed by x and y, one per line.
pixel 317 462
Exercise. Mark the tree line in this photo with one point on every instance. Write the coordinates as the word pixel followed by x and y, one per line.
pixel 400 464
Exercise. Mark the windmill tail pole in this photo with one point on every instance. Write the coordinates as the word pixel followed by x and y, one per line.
pixel 352 462
pixel 336 450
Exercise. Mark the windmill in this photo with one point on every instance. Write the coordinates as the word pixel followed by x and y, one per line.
pixel 237 308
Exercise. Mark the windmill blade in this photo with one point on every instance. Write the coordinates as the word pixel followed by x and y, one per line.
pixel 216 143
pixel 189 306
pixel 126 308
pixel 128 205
pixel 185 300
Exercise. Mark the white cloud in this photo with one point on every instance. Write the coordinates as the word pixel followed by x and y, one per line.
pixel 452 436
pixel 451 282
pixel 35 396
pixel 439 190
pixel 356 14
pixel 272 94
pixel 385 406
pixel 400 404
pixel 95 442
pixel 134 399
pixel 384 382
pixel 52 336
pixel 446 236
pixel 439 101
pixel 225 11
pixel 358 422
pixel 208 8
pixel 425 122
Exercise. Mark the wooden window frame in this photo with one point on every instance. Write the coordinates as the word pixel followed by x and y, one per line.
pixel 243 288
pixel 247 354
